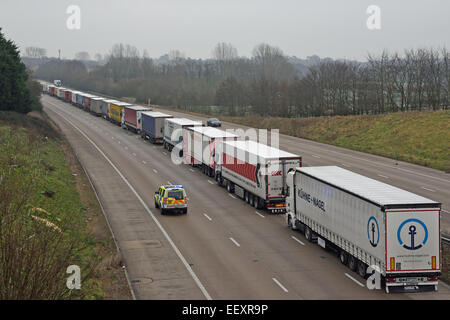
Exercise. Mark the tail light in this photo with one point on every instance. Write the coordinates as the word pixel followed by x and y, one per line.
pixel 392 263
pixel 186 199
pixel 432 278
pixel 390 279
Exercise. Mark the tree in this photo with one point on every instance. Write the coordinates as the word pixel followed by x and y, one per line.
pixel 98 57
pixel 225 55
pixel 82 56
pixel 271 62
pixel 231 94
pixel 14 93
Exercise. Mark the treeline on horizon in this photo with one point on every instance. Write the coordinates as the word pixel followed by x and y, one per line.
pixel 266 84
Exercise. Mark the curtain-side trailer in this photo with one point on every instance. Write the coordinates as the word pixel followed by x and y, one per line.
pixel 199 146
pixel 255 172
pixel 369 224
pixel 96 106
pixel 68 96
pixel 153 126
pixel 173 132
pixel 132 117
pixel 116 112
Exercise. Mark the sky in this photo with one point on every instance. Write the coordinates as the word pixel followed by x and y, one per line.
pixel 327 28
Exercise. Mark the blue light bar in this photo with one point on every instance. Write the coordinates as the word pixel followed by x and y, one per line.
pixel 179 186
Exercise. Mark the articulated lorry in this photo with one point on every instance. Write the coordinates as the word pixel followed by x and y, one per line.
pixel 369 224
pixel 153 126
pixel 116 112
pixel 199 146
pixel 131 119
pixel 255 172
pixel 173 132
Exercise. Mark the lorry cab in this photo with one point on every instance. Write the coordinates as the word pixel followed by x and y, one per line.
pixel 171 198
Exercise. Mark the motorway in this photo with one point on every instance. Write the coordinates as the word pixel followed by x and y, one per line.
pixel 223 248
pixel 427 182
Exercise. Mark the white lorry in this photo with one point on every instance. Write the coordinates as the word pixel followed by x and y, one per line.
pixel 369 224
pixel 173 132
pixel 255 172
pixel 199 146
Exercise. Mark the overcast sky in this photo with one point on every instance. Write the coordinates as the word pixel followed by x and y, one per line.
pixel 333 28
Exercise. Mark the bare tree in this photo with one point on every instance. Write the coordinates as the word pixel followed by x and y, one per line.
pixel 82 56
pixel 98 57
pixel 271 62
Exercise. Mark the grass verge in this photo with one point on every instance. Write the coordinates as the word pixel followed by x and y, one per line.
pixel 38 169
pixel 419 137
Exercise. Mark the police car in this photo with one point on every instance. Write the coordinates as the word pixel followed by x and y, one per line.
pixel 171 198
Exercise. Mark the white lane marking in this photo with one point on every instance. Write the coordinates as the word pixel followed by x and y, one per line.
pixel 207 217
pixel 299 241
pixel 144 162
pixel 280 285
pixel 259 214
pixel 169 239
pixel 169 182
pixel 134 154
pixel 126 148
pixel 164 153
pixel 191 169
pixel 118 142
pixel 235 242
pixel 383 176
pixel 155 171
pixel 112 137
pixel 428 189
pixel 315 156
pixel 446 239
pixel 346 165
pixel 445 211
pixel 211 182
pixel 356 281
pixel 232 196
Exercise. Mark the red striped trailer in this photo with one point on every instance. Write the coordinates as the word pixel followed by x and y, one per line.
pixel 255 172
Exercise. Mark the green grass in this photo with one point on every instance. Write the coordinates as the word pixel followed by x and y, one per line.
pixel 39 159
pixel 417 137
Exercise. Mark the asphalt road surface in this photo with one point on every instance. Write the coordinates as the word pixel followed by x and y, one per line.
pixel 223 248
pixel 429 183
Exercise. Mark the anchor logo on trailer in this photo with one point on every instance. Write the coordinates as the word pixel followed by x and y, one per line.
pixel 413 234
pixel 373 231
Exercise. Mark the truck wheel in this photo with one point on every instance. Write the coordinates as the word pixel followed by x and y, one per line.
pixel 308 234
pixel 343 256
pixel 163 211
pixel 229 189
pixel 185 211
pixel 156 205
pixel 362 269
pixel 352 263
pixel 251 199
pixel 290 223
pixel 247 198
pixel 256 202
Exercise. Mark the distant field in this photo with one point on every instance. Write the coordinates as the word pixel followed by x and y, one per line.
pixel 418 137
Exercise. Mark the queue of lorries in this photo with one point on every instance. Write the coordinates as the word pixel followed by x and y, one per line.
pixel 377 230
